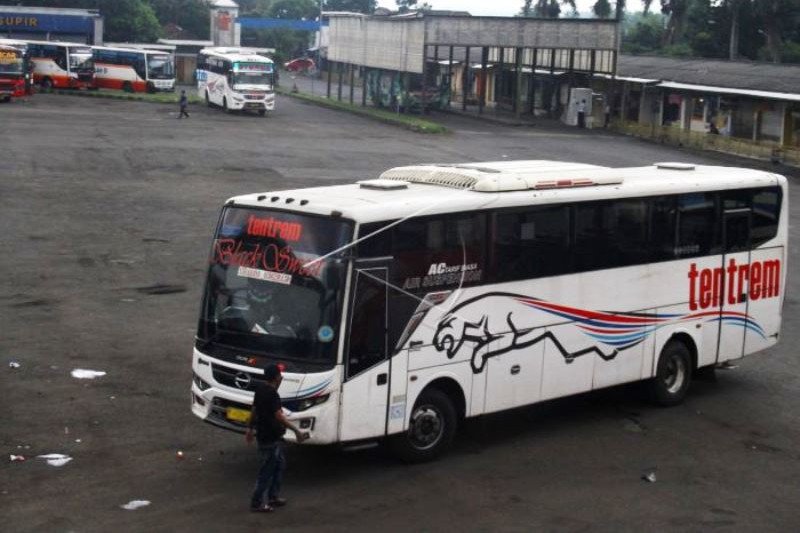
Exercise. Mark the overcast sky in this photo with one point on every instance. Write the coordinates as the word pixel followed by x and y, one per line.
pixel 498 8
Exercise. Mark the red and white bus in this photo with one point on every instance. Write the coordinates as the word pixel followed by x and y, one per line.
pixel 400 306
pixel 134 69
pixel 62 65
pixel 13 71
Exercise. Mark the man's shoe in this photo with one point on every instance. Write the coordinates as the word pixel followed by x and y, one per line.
pixel 278 502
pixel 263 508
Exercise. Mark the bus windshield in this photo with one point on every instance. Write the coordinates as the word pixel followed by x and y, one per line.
pixel 11 62
pixel 160 67
pixel 81 58
pixel 252 74
pixel 264 296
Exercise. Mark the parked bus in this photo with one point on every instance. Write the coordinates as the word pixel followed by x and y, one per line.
pixel 399 306
pixel 13 71
pixel 62 65
pixel 236 79
pixel 134 70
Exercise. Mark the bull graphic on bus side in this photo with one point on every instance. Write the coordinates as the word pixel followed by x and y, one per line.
pixel 493 335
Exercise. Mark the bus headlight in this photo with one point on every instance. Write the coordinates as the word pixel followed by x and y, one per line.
pixel 308 403
pixel 202 385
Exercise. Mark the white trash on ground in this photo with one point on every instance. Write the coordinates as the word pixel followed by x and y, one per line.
pixel 135 504
pixel 13 364
pixel 15 458
pixel 81 373
pixel 650 476
pixel 55 459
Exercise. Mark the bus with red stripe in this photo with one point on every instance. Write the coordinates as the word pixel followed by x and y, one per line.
pixel 13 71
pixel 400 306
pixel 62 65
pixel 134 69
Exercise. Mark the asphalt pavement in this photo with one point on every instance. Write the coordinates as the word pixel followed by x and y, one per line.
pixel 107 213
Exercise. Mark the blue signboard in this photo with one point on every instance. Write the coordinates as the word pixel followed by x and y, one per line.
pixel 35 22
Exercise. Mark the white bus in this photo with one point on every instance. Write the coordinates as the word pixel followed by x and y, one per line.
pixel 134 69
pixel 62 65
pixel 401 305
pixel 236 79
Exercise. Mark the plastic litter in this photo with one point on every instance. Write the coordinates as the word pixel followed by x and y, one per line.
pixel 135 504
pixel 13 364
pixel 55 459
pixel 650 476
pixel 16 458
pixel 179 454
pixel 81 373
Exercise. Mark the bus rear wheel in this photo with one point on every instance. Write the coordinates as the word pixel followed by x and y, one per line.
pixel 431 429
pixel 673 375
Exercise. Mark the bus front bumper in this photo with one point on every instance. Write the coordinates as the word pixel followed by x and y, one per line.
pixel 215 404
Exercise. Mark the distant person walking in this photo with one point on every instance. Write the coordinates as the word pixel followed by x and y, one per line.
pixel 184 104
pixel 270 424
pixel 582 114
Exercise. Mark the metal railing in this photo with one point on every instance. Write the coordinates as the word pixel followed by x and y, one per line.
pixel 763 150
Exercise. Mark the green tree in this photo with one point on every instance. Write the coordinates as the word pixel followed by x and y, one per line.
pixel 125 20
pixel 191 15
pixel 642 33
pixel 602 9
pixel 676 10
pixel 294 9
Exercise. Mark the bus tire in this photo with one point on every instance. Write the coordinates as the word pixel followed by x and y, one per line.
pixel 431 429
pixel 225 105
pixel 208 100
pixel 127 87
pixel 262 112
pixel 673 375
pixel 47 84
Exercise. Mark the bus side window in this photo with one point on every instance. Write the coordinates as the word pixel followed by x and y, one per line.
pixel 698 225
pixel 628 232
pixel 593 239
pixel 531 243
pixel 378 246
pixel 766 213
pixel 662 228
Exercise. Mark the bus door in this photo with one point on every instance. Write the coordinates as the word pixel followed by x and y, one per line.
pixel 736 261
pixel 365 391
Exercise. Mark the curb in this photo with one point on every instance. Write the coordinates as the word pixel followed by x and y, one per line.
pixel 411 124
pixel 114 96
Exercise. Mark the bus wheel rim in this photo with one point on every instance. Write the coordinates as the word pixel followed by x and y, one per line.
pixel 426 427
pixel 675 375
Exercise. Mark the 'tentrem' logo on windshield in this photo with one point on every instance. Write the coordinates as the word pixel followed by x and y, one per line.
pixel 273 228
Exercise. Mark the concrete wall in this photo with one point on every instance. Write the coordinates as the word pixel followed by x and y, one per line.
pixel 521 32
pixel 376 43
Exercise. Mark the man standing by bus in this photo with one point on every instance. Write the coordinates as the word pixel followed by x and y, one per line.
pixel 184 104
pixel 270 424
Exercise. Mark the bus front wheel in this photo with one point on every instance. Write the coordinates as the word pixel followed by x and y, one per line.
pixel 208 100
pixel 673 375
pixel 262 112
pixel 431 429
pixel 225 105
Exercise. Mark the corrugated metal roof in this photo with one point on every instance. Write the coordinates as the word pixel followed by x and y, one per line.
pixel 752 75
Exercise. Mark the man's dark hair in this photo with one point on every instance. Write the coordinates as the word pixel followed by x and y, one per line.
pixel 271 372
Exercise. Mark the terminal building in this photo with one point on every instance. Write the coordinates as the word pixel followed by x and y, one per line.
pixel 51 24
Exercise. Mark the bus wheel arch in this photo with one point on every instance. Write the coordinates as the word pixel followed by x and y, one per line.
pixel 432 423
pixel 676 364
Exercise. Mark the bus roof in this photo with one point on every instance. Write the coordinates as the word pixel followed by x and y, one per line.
pixel 429 189
pixel 133 49
pixel 59 43
pixel 235 54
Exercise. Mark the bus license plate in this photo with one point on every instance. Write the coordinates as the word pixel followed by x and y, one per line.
pixel 237 415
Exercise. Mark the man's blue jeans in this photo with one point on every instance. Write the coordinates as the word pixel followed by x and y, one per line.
pixel 272 463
